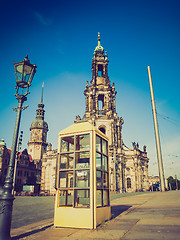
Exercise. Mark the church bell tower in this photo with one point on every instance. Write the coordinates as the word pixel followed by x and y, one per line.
pixel 100 95
pixel 100 98
pixel 101 109
pixel 39 128
pixel 128 168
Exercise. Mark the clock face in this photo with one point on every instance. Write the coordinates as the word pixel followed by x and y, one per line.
pixel 37 147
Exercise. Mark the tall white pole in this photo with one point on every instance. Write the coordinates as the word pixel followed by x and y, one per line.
pixel 158 146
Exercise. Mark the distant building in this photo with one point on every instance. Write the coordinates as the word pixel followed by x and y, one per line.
pixel 154 183
pixel 28 163
pixel 4 160
pixel 45 158
pixel 26 170
pixel 153 180
pixel 39 128
pixel 48 171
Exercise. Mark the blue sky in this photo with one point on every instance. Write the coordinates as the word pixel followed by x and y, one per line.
pixel 60 37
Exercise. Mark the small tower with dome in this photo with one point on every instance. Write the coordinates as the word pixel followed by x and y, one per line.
pixel 39 128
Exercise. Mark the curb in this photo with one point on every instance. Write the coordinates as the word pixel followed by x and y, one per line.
pixel 24 231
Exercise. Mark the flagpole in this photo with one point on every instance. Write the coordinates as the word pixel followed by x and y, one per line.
pixel 158 146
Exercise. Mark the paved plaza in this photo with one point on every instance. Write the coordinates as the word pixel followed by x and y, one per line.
pixel 28 210
pixel 146 216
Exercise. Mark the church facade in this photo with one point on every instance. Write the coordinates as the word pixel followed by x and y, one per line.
pixel 128 167
pixel 48 171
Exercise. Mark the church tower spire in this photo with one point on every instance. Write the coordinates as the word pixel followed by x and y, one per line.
pixel 42 93
pixel 101 107
pixel 39 128
pixel 100 95
pixel 40 111
pixel 99 49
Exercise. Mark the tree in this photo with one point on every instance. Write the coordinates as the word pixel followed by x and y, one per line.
pixel 173 183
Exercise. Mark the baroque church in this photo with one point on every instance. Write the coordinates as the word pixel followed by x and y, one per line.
pixel 128 168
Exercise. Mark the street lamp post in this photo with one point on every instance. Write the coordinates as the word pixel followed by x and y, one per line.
pixel 19 142
pixel 24 72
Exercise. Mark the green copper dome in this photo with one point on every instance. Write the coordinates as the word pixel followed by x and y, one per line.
pixel 2 143
pixel 39 123
pixel 99 48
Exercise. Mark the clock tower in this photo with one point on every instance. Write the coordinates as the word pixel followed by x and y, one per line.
pixel 39 128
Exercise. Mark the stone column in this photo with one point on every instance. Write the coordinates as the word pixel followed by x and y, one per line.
pixel 96 103
pixel 123 165
pixel 119 134
pixel 87 103
pixel 136 175
pixel 91 104
pixel 146 175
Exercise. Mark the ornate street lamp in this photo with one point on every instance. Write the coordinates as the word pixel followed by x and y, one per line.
pixel 24 72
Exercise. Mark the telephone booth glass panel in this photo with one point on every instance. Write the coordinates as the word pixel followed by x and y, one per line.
pixel 74 171
pixel 102 174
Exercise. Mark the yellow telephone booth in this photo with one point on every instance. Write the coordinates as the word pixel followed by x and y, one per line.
pixel 82 179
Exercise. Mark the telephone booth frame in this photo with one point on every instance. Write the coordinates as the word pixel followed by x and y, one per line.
pixel 82 178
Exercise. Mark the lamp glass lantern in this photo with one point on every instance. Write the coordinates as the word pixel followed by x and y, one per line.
pixel 24 72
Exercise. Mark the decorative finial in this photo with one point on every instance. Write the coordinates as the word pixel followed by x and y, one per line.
pixel 42 93
pixel 144 148
pixel 99 49
pixel 99 39
pixel 26 58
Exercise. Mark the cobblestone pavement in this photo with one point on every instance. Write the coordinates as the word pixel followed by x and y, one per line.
pixel 149 216
pixel 28 210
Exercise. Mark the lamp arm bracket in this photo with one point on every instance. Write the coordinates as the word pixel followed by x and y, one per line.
pixel 22 108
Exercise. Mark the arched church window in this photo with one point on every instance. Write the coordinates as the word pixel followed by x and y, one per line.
pixel 100 70
pixel 102 130
pixel 128 183
pixel 100 102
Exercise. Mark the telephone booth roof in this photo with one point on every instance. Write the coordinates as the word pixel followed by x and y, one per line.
pixel 81 127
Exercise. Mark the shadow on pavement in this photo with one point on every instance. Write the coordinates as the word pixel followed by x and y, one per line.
pixel 30 232
pixel 115 211
pixel 118 209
